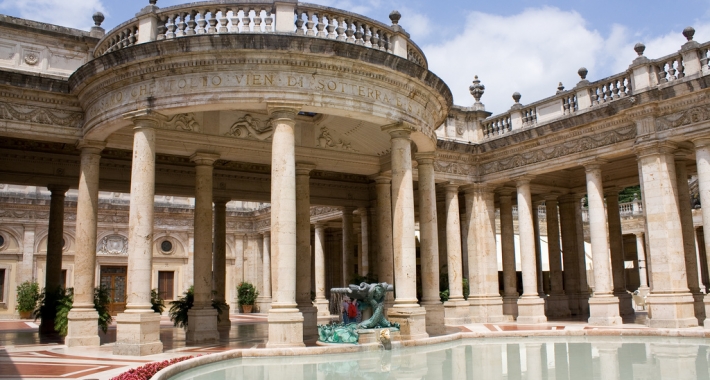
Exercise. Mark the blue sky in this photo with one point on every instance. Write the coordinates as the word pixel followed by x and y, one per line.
pixel 517 45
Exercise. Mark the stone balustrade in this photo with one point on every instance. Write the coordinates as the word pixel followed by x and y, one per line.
pixel 628 209
pixel 220 17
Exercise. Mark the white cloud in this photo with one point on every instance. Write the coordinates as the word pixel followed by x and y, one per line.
pixel 70 13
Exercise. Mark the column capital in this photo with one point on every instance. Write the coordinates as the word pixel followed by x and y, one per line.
pixel 612 191
pixel 477 188
pixel 58 189
pixel 592 164
pixel 639 234
pixel 522 180
pixel 283 110
pixel 425 158
pixel 383 179
pixel 304 168
pixel 221 200
pixel 655 147
pixel 681 154
pixel 204 158
pixel 505 191
pixel 145 118
pixel 320 225
pixel 701 142
pixel 400 129
pixel 568 198
pixel 451 187
pixel 266 234
pixel 91 146
pixel 348 209
pixel 537 201
pixel 551 197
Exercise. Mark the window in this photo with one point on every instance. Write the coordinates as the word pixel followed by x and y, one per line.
pixel 2 285
pixel 166 246
pixel 165 285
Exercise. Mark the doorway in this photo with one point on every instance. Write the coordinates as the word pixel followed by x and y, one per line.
pixel 114 278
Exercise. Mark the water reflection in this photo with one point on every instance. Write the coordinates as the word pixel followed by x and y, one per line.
pixel 523 358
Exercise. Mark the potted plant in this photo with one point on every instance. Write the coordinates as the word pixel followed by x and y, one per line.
pixel 27 296
pixel 246 296
pixel 180 307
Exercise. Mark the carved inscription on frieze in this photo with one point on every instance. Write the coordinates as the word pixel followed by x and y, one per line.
pixel 201 83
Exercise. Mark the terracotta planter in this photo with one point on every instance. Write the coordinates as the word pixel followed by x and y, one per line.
pixel 247 308
pixel 25 314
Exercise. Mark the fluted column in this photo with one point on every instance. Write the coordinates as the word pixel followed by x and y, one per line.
pixel 429 245
pixel 641 253
pixel 616 250
pixel 670 302
pixel 568 231
pixel 53 268
pixel 531 308
pixel 686 224
pixel 486 305
pixel 138 328
pixel 557 303
pixel 385 266
pixel 702 157
pixel 406 310
pixel 538 248
pixel 303 247
pixel 320 302
pixel 83 318
pixel 285 321
pixel 219 258
pixel 507 242
pixel 202 316
pixel 603 306
pixel 456 309
pixel 348 246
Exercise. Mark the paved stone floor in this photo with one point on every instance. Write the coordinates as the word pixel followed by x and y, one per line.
pixel 23 354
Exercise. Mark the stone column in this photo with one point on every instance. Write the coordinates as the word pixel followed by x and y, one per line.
pixel 702 157
pixel 557 303
pixel 53 270
pixel 429 246
pixel 364 264
pixel 486 304
pixel 138 328
pixel 670 302
pixel 219 259
pixel 507 242
pixel 202 316
pixel 266 288
pixel 82 323
pixel 603 306
pixel 686 223
pixel 538 248
pixel 570 256
pixel 285 320
pixel 384 234
pixel 348 246
pixel 584 289
pixel 456 308
pixel 321 303
pixel 702 260
pixel 616 250
pixel 405 311
pixel 303 252
pixel 531 308
pixel 641 253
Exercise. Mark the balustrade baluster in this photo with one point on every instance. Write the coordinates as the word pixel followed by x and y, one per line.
pixel 331 27
pixel 358 33
pixel 615 90
pixel 350 32
pixel 299 23
pixel 246 20
pixel 671 70
pixel 191 24
pixel 201 22
pixel 223 20
pixel 213 21
pixel 375 39
pixel 367 35
pixel 681 67
pixel 340 30
pixel 257 20
pixel 321 26
pixel 310 31
pixel 269 20
pixel 235 20
pixel 388 43
pixel 624 88
pixel 662 73
pixel 181 25
pixel 608 93
pixel 162 29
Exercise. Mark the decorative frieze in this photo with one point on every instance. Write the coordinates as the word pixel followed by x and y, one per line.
pixel 41 115
pixel 691 116
pixel 325 140
pixel 250 127
pixel 113 245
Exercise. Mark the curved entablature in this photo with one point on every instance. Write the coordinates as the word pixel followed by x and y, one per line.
pixel 243 73
pixel 257 17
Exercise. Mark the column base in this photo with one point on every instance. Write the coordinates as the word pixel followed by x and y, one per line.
pixel 671 310
pixel 485 309
pixel 626 305
pixel 573 303
pixel 224 321
pixel 557 306
pixel 138 334
pixel 285 328
pixel 706 301
pixel 323 307
pixel 604 311
pixel 202 325
pixel 531 310
pixel 263 304
pixel 310 323
pixel 583 303
pixel 434 317
pixel 510 306
pixel 699 306
pixel 411 319
pixel 82 328
pixel 456 312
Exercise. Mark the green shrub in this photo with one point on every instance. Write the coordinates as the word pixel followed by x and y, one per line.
pixel 180 307
pixel 65 302
pixel 246 293
pixel 158 304
pixel 27 296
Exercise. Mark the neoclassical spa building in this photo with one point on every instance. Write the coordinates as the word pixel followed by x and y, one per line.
pixel 295 146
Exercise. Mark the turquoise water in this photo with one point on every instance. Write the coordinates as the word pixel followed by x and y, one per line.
pixel 568 358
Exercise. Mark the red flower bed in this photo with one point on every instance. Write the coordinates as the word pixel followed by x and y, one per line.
pixel 147 371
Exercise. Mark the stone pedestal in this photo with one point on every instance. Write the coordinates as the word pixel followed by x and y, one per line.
pixel 456 312
pixel 487 309
pixel 435 318
pixel 285 328
pixel 706 301
pixel 412 324
pixel 557 306
pixel 510 306
pixel 82 329
pixel 202 325
pixel 604 311
pixel 670 311
pixel 531 310
pixel 138 334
